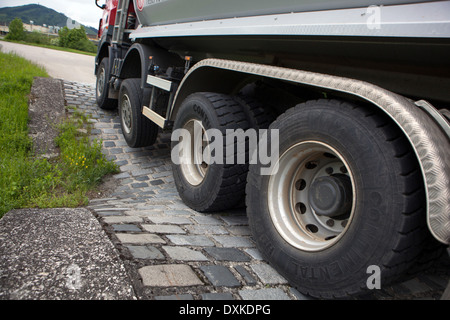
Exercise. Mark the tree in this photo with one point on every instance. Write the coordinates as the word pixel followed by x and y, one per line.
pixel 75 39
pixel 16 30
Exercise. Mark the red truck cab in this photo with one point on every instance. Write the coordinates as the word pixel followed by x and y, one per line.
pixel 109 16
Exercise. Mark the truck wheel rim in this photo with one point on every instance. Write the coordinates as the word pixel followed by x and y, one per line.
pixel 193 166
pixel 309 179
pixel 125 112
pixel 100 82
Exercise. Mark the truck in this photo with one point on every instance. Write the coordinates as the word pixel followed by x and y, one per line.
pixel 349 99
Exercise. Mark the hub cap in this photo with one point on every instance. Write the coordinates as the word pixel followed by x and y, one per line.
pixel 312 196
pixel 125 111
pixel 100 82
pixel 193 165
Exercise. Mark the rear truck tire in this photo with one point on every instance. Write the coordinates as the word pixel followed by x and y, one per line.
pixel 203 186
pixel 137 129
pixel 346 203
pixel 102 87
pixel 258 116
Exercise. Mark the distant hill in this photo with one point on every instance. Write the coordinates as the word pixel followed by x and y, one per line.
pixel 39 14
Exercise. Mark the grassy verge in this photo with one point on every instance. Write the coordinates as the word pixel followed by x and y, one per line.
pixel 51 47
pixel 29 182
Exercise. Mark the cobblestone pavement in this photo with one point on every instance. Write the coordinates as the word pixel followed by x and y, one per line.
pixel 173 252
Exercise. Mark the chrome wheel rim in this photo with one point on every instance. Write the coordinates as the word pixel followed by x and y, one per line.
pixel 100 82
pixel 193 165
pixel 125 113
pixel 306 196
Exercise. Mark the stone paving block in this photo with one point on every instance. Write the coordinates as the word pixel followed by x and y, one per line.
pixel 121 219
pixel 267 274
pixel 121 162
pixel 145 252
pixel 126 228
pixel 248 278
pixel 264 294
pixel 110 131
pixel 235 220
pixel 233 241
pixel 93 201
pixel 206 229
pixel 240 230
pixel 148 208
pixel 122 175
pixel 101 125
pixel 161 174
pixel 109 144
pixel 176 297
pixel 139 185
pixel 169 275
pixel 156 182
pixel 142 178
pixel 112 209
pixel 178 212
pixel 139 238
pixel 145 213
pixel 186 240
pixel 217 296
pixel 157 202
pixel 145 194
pixel 227 254
pixel 220 276
pixel 207 220
pixel 254 253
pixel 162 228
pixel 109 213
pixel 171 220
pixel 183 253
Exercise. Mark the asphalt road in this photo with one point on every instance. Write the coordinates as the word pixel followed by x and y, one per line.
pixel 59 64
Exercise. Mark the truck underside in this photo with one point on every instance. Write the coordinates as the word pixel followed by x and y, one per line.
pixel 362 114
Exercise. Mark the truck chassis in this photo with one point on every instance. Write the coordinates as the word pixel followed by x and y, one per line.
pixel 363 171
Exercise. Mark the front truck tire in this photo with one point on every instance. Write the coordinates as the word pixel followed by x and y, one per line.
pixel 208 186
pixel 137 130
pixel 102 87
pixel 345 212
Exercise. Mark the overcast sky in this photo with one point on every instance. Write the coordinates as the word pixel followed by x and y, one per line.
pixel 83 11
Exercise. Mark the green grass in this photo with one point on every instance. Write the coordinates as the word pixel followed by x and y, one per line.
pixel 26 181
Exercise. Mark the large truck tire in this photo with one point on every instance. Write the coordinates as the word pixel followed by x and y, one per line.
pixel 258 116
pixel 345 212
pixel 137 130
pixel 213 186
pixel 102 87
